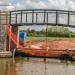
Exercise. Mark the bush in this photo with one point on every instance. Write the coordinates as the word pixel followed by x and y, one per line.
pixel 54 31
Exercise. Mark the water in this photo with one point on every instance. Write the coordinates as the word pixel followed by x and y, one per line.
pixel 36 66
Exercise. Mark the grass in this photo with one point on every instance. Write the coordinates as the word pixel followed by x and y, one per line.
pixel 50 38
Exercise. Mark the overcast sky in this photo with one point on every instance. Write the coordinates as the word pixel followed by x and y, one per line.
pixel 50 4
pixel 37 4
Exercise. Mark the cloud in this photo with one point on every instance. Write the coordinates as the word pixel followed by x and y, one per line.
pixel 39 4
pixel 62 5
pixel 30 4
pixel 49 4
pixel 6 5
pixel 10 8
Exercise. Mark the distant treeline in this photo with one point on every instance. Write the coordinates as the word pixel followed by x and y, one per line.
pixel 54 31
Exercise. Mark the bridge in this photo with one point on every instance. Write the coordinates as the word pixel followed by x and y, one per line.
pixel 37 17
pixel 42 17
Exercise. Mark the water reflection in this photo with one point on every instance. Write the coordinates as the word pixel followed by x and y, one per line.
pixel 36 66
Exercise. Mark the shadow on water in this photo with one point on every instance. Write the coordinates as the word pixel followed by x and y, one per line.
pixel 65 57
pixel 7 67
pixel 36 66
pixel 25 65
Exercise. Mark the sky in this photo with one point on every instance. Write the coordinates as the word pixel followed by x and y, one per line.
pixel 45 4
pixel 37 4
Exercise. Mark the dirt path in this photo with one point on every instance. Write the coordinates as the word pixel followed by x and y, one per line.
pixel 58 44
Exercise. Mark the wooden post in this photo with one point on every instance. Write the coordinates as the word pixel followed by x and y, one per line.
pixel 10 43
pixel 13 54
pixel 14 29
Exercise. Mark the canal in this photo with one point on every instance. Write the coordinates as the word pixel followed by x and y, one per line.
pixel 36 66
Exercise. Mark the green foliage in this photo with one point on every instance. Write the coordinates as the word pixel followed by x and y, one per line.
pixel 57 31
pixel 54 31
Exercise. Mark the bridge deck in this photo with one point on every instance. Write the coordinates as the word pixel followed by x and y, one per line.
pixel 42 17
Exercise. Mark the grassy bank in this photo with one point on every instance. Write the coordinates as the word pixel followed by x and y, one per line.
pixel 50 38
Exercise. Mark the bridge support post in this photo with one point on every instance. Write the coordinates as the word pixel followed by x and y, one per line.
pixel 10 45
